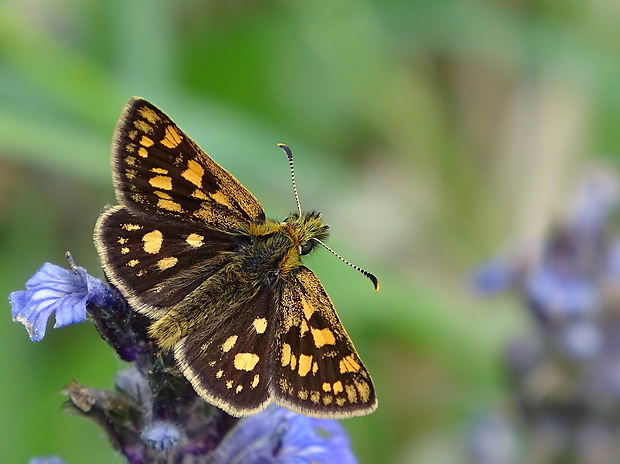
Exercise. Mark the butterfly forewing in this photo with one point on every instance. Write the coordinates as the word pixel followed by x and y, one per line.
pixel 317 369
pixel 159 170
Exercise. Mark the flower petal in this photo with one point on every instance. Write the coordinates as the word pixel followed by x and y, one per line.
pixel 51 289
pixel 278 435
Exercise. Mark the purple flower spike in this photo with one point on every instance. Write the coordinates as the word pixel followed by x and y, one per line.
pixel 153 414
pixel 51 289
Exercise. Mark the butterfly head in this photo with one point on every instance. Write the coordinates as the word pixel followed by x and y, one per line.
pixel 305 230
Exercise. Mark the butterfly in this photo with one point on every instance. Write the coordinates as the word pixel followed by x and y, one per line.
pixel 224 287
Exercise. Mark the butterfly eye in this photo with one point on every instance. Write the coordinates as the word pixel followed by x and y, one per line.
pixel 306 247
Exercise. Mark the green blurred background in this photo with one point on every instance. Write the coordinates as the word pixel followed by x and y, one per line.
pixel 429 133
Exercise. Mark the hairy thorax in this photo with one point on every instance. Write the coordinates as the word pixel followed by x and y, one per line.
pixel 276 248
pixel 269 254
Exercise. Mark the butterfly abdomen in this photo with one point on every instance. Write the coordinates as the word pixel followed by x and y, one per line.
pixel 208 306
pixel 254 264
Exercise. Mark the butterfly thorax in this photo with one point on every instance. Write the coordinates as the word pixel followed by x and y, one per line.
pixel 284 243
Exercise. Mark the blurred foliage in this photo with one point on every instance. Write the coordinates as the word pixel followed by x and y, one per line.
pixel 427 132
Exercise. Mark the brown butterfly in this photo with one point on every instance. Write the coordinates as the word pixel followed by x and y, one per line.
pixel 190 247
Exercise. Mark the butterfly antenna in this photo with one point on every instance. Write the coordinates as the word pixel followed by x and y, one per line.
pixel 289 155
pixel 371 276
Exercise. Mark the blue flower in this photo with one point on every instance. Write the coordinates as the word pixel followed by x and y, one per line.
pixel 555 297
pixel 494 276
pixel 279 436
pixel 162 435
pixel 46 460
pixel 56 289
pixel 51 289
pixel 71 293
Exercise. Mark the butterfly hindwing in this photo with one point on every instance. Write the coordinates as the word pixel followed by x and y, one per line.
pixel 159 170
pixel 229 364
pixel 317 370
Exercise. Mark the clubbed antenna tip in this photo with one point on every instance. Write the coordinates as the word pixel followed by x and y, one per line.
pixel 370 275
pixel 373 279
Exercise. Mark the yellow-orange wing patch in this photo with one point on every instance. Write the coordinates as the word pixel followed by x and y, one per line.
pixel 317 369
pixel 158 169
